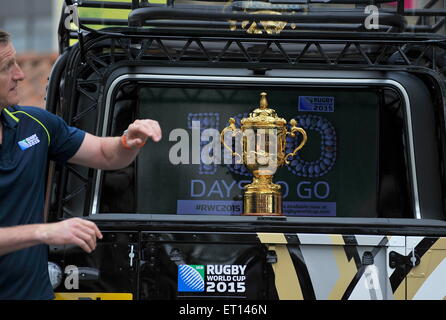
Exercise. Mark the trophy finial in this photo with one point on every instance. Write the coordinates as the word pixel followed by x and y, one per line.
pixel 263 101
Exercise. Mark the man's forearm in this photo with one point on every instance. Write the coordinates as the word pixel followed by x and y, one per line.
pixel 111 153
pixel 80 232
pixel 106 153
pixel 18 237
pixel 116 155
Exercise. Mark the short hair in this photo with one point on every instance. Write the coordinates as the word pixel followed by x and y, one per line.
pixel 5 37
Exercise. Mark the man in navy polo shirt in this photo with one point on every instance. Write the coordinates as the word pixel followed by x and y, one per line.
pixel 29 137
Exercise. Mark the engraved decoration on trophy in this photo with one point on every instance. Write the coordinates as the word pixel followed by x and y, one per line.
pixel 260 145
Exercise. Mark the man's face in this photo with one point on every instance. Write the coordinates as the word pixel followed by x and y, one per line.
pixel 10 75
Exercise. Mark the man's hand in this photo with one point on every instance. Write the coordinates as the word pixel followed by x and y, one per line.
pixel 139 131
pixel 71 231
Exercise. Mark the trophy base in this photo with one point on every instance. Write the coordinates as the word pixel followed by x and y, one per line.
pixel 262 204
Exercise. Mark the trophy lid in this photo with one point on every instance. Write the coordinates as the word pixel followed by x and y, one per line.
pixel 263 115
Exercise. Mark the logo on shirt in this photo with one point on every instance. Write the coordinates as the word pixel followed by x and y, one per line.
pixel 29 142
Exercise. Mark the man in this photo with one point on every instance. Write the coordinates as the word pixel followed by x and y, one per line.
pixel 29 137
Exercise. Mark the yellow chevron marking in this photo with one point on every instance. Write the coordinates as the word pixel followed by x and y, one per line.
pixel 286 280
pixel 287 283
pixel 272 238
pixel 429 262
pixel 440 244
pixel 400 292
pixel 337 239
pixel 347 269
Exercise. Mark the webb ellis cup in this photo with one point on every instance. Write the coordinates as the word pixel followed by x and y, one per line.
pixel 260 145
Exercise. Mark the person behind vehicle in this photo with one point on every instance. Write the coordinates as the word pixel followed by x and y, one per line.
pixel 29 137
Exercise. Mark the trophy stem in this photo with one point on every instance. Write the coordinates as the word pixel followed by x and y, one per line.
pixel 262 197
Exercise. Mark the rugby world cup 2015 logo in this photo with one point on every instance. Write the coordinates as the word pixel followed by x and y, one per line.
pixel 190 278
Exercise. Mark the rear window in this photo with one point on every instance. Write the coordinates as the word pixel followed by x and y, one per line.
pixel 353 164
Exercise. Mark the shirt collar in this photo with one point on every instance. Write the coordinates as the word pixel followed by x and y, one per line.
pixel 8 118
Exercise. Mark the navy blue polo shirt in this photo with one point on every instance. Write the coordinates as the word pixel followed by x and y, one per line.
pixel 31 137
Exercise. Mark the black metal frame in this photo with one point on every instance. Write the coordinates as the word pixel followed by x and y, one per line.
pixel 381 51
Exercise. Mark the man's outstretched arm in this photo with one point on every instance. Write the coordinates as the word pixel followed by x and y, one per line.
pixel 111 153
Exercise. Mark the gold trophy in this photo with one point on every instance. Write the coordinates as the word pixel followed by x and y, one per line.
pixel 262 145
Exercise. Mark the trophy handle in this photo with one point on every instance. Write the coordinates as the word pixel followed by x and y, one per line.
pixel 292 133
pixel 235 131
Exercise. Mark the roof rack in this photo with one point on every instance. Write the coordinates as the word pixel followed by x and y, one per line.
pixel 298 15
pixel 218 34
